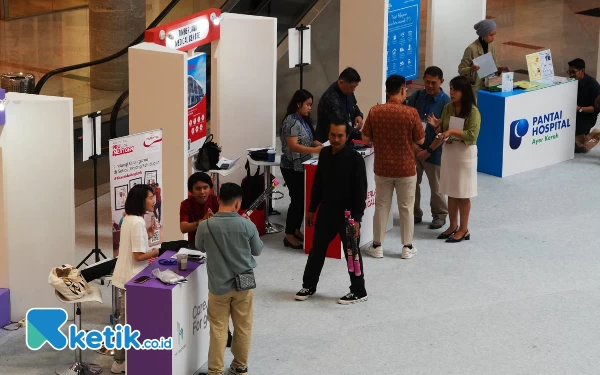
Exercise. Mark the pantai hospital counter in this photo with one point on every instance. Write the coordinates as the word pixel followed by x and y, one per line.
pixel 335 249
pixel 526 130
pixel 178 311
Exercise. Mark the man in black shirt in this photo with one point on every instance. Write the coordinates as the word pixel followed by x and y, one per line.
pixel 339 102
pixel 587 111
pixel 340 184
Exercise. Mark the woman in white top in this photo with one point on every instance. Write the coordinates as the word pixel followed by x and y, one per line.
pixel 134 253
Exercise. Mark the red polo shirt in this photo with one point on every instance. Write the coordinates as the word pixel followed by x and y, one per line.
pixel 191 211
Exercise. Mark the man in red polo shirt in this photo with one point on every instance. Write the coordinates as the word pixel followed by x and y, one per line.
pixel 201 205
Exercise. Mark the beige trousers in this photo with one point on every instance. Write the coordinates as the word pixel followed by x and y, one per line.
pixel 405 195
pixel 439 207
pixel 238 305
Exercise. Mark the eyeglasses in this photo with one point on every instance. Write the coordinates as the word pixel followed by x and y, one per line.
pixel 572 72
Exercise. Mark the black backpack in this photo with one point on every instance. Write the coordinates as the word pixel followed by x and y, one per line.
pixel 208 156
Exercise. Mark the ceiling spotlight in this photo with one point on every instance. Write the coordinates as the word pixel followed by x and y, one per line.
pixel 216 20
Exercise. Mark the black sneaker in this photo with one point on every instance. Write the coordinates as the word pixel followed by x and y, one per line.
pixel 351 298
pixel 240 370
pixel 304 294
pixel 418 220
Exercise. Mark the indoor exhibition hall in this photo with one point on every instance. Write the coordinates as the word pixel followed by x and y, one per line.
pixel 210 187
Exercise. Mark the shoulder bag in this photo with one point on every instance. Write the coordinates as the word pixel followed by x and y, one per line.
pixel 244 280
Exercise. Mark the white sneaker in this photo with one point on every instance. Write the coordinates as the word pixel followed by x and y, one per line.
pixel 408 253
pixel 375 252
pixel 117 368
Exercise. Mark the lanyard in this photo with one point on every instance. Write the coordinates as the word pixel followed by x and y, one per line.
pixel 306 127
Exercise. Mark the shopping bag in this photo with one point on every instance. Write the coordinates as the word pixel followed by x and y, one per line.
pixel 67 281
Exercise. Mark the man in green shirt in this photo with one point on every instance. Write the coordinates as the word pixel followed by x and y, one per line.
pixel 231 242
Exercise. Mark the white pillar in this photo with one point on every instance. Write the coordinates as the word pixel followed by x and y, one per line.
pixel 244 76
pixel 158 100
pixel 449 31
pixel 37 198
pixel 363 38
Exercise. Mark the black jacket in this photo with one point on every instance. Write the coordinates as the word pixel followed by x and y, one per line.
pixel 340 182
pixel 588 91
pixel 333 105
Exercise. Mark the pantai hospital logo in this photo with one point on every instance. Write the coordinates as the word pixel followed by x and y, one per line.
pixel 544 128
pixel 44 326
pixel 518 129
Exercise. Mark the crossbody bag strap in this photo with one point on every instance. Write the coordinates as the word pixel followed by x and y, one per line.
pixel 219 247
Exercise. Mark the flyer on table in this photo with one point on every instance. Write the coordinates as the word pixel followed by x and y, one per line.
pixel 136 159
pixel 196 103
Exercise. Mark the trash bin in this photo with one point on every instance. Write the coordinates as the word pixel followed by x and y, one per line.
pixel 18 82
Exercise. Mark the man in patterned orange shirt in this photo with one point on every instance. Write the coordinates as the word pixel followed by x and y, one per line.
pixel 394 128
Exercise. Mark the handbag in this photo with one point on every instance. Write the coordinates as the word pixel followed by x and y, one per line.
pixel 208 156
pixel 244 280
pixel 259 155
pixel 67 280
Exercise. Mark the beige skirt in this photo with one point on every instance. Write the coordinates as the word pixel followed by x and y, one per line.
pixel 458 175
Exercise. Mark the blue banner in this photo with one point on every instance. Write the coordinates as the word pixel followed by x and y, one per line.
pixel 403 38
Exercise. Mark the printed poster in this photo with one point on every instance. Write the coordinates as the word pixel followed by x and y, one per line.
pixel 540 66
pixel 136 159
pixel 403 38
pixel 196 103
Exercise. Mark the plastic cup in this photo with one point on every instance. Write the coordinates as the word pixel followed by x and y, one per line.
pixel 182 262
pixel 271 155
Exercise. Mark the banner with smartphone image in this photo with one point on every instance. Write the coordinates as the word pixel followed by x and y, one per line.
pixel 136 159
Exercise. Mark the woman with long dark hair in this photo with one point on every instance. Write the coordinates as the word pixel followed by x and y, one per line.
pixel 458 176
pixel 298 144
pixel 134 252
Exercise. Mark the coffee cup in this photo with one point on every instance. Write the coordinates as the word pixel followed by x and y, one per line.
pixel 182 262
pixel 271 155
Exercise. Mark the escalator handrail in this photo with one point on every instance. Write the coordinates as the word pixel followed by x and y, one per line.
pixel 139 39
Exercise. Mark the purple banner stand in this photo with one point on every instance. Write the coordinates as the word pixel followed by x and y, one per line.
pixel 2 109
pixel 162 311
pixel 4 307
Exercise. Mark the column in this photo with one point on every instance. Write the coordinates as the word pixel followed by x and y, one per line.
pixel 114 24
pixel 450 31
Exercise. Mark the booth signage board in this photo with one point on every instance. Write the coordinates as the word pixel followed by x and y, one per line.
pixel 196 124
pixel 187 33
pixel 136 159
pixel 190 324
pixel 403 38
pixel 540 66
pixel 539 128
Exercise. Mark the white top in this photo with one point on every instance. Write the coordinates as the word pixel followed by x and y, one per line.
pixel 134 239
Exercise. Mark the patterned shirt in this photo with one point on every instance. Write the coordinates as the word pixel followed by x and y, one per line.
pixel 394 128
pixel 294 126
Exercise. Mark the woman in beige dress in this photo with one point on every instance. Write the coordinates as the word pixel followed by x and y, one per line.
pixel 458 177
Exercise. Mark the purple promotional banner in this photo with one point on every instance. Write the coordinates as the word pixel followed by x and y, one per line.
pixel 2 107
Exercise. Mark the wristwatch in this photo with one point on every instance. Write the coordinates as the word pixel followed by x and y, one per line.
pixel 429 150
pixel 580 109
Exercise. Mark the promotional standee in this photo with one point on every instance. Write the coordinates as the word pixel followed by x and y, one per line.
pixel 136 159
pixel 403 38
pixel 196 103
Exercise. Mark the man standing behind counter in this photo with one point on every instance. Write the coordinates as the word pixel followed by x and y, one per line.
pixel 430 100
pixel 339 102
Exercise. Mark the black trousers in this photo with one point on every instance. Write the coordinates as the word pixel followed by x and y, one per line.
pixel 295 184
pixel 330 222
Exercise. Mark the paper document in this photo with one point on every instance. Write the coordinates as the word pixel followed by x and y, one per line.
pixel 487 65
pixel 507 81
pixel 326 144
pixel 526 85
pixel 458 124
pixel 189 252
pixel 226 163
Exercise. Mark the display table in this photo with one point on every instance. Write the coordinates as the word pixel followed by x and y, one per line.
pixel 216 175
pixel 335 249
pixel 178 311
pixel 526 130
pixel 270 228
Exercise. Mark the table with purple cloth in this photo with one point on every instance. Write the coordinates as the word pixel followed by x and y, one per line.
pixel 162 311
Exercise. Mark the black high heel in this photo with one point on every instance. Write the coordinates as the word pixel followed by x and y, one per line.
pixel 443 236
pixel 466 237
pixel 287 243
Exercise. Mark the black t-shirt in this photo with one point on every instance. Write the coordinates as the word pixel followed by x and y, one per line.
pixel 588 91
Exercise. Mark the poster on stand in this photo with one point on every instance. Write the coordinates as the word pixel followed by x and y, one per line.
pixel 136 159
pixel 403 38
pixel 196 103
pixel 540 66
